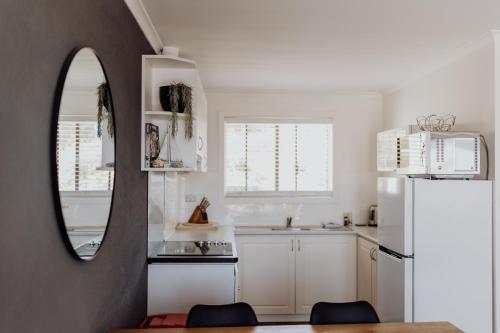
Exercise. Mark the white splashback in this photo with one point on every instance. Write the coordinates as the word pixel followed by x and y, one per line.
pixel 165 208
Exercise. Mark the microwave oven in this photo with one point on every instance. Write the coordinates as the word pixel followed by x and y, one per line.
pixel 439 154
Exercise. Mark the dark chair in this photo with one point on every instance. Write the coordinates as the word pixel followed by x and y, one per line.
pixel 237 314
pixel 360 312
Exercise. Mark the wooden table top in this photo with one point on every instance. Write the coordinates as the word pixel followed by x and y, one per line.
pixel 441 327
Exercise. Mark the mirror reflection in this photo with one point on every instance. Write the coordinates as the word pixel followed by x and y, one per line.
pixel 85 153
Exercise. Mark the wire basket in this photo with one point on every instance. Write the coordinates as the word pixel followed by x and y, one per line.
pixel 435 123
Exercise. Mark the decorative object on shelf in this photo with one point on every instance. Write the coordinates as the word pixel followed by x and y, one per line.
pixel 147 145
pixel 157 163
pixel 104 109
pixel 165 154
pixel 435 123
pixel 166 147
pixel 170 51
pixel 177 164
pixel 151 144
pixel 178 98
pixel 199 215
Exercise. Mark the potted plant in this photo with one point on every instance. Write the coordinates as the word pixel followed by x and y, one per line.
pixel 104 109
pixel 177 98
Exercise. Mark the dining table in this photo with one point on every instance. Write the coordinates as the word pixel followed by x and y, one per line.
pixel 431 327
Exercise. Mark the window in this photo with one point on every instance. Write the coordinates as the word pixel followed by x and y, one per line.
pixel 79 151
pixel 278 157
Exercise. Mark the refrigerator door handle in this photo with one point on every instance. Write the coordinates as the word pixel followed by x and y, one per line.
pixel 390 256
pixel 393 254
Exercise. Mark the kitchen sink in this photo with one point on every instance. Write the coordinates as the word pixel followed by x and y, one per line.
pixel 290 229
pixel 313 228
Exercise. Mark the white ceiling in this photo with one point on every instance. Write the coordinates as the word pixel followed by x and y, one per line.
pixel 321 45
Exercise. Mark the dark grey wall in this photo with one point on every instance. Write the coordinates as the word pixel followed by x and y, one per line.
pixel 42 287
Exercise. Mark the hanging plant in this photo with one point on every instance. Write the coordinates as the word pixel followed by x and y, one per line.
pixel 174 105
pixel 104 109
pixel 177 98
pixel 188 110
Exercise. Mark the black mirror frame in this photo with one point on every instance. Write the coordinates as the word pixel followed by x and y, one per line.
pixel 53 153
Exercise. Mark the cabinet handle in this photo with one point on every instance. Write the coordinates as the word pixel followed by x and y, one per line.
pixel 299 245
pixel 372 254
pixel 291 241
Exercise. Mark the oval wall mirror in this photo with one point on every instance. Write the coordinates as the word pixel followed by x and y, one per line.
pixel 84 154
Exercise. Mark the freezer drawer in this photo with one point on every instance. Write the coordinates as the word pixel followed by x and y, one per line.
pixel 395 212
pixel 394 287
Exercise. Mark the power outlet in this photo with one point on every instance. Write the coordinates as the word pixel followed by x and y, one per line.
pixel 190 198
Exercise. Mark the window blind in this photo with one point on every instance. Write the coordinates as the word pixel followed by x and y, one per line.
pixel 278 157
pixel 79 152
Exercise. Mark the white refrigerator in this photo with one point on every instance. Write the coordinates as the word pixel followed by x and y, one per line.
pixel 435 252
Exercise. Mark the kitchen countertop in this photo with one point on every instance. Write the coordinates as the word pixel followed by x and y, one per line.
pixel 295 230
pixel 368 233
pixel 222 233
pixel 228 233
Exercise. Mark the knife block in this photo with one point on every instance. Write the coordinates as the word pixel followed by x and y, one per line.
pixel 198 216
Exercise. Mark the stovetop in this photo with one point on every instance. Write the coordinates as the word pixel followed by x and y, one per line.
pixel 196 248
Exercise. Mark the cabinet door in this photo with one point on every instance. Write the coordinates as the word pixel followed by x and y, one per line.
pixel 267 273
pixel 326 270
pixel 364 264
pixel 177 287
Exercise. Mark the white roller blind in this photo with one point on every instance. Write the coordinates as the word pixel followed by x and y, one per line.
pixel 79 153
pixel 278 157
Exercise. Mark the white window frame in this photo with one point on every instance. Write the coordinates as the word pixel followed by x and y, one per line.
pixel 283 196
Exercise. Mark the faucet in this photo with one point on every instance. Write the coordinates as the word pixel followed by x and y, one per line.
pixel 289 222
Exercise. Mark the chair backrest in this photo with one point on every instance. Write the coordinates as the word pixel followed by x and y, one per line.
pixel 343 313
pixel 237 314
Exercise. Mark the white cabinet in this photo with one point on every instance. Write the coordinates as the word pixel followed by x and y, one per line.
pixel 287 274
pixel 325 270
pixel 267 273
pixel 176 287
pixel 367 271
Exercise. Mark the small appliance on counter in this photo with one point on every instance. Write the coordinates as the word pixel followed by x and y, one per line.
pixel 198 219
pixel 199 215
pixel 373 216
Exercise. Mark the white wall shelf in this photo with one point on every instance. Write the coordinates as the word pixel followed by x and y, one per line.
pixel 160 70
pixel 165 114
pixel 170 169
